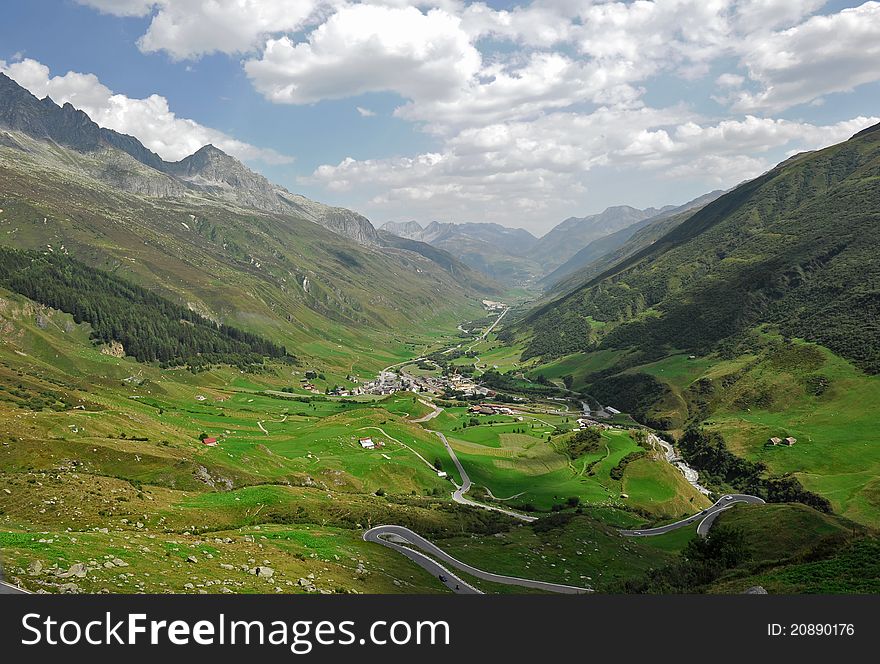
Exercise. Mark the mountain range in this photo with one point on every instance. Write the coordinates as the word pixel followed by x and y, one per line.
pixel 567 238
pixel 609 249
pixel 513 255
pixel 208 232
pixel 209 171
pixel 794 247
pixel 500 252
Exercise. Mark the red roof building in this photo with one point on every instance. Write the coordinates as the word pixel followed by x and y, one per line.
pixel 211 442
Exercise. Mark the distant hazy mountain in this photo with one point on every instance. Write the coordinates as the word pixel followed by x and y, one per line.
pixel 494 250
pixel 566 239
pixel 209 171
pixel 411 230
pixel 604 251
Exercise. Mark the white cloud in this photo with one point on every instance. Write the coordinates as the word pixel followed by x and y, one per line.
pixel 529 107
pixel 187 29
pixel 758 15
pixel 823 55
pixel 728 80
pixel 529 171
pixel 150 119
pixel 364 48
pixel 121 7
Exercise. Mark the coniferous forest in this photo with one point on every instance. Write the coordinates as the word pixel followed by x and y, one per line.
pixel 150 327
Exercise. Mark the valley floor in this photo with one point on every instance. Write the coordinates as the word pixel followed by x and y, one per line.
pixel 108 487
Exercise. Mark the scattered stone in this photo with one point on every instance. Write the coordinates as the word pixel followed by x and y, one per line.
pixel 77 569
pixel 35 568
pixel 265 572
pixel 192 559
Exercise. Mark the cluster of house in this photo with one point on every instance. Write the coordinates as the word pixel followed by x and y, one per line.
pixel 307 385
pixel 388 382
pixel 491 305
pixel 490 409
pixel 587 422
pixel 782 441
pixel 370 444
pixel 466 386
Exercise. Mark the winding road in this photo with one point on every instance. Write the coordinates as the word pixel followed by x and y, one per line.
pixel 465 486
pixel 8 589
pixel 706 517
pixel 403 540
pixel 437 562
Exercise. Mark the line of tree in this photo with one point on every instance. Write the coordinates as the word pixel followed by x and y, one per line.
pixel 150 327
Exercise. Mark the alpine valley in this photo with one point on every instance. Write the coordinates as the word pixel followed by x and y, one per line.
pixel 209 384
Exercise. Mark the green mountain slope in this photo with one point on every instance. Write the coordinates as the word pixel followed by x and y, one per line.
pixel 605 251
pixel 564 240
pixel 795 247
pixel 756 317
pixel 279 275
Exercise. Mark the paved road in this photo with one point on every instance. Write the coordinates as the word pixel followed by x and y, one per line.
pixel 430 416
pixel 401 364
pixel 488 330
pixel 465 486
pixel 8 589
pixel 386 535
pixel 706 517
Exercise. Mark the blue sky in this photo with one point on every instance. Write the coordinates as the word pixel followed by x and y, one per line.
pixel 516 113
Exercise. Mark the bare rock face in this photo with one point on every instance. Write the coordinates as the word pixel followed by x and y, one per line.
pixel 214 172
pixel 113 349
pixel 755 590
pixel 411 230
pixel 123 162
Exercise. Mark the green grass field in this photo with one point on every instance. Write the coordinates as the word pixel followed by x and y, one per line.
pixel 838 451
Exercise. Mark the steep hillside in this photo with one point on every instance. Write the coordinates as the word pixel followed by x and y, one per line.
pixel 793 248
pixel 278 275
pixel 605 251
pixel 464 274
pixel 566 239
pixel 210 234
pixel 120 160
pixel 754 318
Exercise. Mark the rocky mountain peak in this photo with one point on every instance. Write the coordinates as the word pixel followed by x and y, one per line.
pixel 209 171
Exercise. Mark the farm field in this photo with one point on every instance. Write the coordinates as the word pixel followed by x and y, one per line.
pixel 122 475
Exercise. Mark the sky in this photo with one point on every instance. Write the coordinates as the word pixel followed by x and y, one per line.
pixel 518 113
